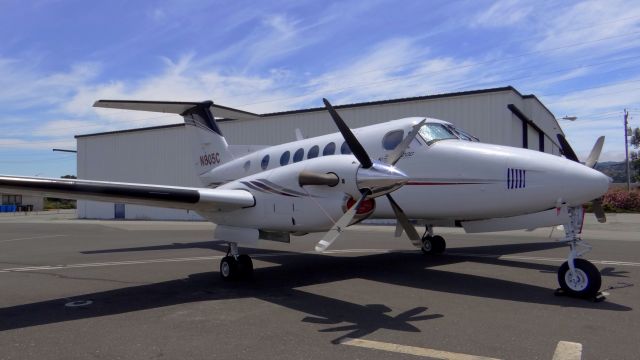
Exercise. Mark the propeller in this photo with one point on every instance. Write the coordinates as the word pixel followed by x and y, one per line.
pixel 374 179
pixel 592 160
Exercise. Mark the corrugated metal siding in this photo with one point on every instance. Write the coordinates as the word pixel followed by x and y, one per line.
pixel 156 157
pixel 484 115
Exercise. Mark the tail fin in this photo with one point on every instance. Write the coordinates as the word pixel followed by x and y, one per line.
pixel 208 146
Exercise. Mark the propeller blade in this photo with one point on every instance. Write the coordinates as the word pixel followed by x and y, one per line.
pixel 567 151
pixel 404 221
pixel 340 225
pixel 598 211
pixel 393 158
pixel 594 155
pixel 354 144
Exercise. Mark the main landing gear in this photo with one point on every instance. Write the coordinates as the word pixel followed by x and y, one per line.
pixel 578 277
pixel 235 266
pixel 432 244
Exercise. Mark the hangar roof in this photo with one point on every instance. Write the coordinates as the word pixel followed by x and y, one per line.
pixel 345 106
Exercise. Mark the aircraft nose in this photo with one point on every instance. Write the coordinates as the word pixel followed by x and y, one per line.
pixel 588 184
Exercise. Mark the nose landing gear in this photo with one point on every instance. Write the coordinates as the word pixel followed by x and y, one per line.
pixel 578 277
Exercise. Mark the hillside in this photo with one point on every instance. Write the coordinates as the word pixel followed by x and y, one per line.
pixel 616 170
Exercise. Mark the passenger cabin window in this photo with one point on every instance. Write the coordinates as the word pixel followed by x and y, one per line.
pixel 345 149
pixel 392 139
pixel 313 152
pixel 435 132
pixel 265 162
pixel 284 158
pixel 329 149
pixel 298 155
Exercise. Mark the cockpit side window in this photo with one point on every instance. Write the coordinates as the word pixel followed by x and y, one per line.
pixel 392 139
pixel 435 132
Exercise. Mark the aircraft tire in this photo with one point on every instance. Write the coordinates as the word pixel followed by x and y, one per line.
pixel 433 244
pixel 228 268
pixel 585 285
pixel 245 266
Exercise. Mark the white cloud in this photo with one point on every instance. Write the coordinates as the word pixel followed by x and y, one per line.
pixel 503 13
pixel 23 86
pixel 616 95
pixel 392 69
pixel 588 21
pixel 14 143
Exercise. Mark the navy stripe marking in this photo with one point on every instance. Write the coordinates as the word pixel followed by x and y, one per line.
pixel 516 178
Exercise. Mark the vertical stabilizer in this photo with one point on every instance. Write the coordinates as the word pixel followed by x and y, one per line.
pixel 207 146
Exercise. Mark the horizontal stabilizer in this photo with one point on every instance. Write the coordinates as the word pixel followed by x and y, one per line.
pixel 175 107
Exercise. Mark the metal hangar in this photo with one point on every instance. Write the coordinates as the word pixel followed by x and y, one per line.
pixel 161 154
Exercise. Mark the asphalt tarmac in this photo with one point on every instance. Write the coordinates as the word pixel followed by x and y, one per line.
pixel 74 289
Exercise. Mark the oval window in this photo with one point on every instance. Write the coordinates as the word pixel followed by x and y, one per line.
pixel 265 162
pixel 345 149
pixel 313 152
pixel 299 154
pixel 392 139
pixel 284 158
pixel 329 149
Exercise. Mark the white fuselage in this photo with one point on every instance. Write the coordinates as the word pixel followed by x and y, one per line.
pixel 449 179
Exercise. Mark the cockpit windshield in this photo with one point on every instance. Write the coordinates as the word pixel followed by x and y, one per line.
pixel 463 135
pixel 433 132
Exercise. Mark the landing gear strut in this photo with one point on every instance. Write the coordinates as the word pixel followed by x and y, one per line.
pixel 235 266
pixel 432 244
pixel 578 277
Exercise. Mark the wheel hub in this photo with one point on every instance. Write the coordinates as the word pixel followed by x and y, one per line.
pixel 576 280
pixel 226 269
pixel 426 245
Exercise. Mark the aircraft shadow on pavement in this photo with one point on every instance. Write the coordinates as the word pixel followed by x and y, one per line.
pixel 279 284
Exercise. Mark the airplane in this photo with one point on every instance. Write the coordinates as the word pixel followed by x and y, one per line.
pixel 439 175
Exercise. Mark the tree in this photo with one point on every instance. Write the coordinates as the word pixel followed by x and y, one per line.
pixel 635 155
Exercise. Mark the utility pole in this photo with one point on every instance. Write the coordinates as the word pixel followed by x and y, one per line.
pixel 626 147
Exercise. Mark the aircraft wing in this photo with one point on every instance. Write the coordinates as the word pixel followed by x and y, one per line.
pixel 187 198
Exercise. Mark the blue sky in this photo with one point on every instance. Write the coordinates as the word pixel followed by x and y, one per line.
pixel 580 58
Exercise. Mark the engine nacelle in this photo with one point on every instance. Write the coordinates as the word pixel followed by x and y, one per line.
pixel 283 204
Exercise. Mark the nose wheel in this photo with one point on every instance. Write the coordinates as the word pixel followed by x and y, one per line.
pixel 235 266
pixel 583 281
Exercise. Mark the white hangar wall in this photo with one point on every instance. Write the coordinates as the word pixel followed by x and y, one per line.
pixel 483 113
pixel 161 155
pixel 155 156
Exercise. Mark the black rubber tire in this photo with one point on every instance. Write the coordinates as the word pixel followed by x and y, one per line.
pixel 438 244
pixel 433 245
pixel 591 280
pixel 228 268
pixel 245 266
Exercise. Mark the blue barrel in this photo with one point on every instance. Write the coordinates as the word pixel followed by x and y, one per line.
pixel 13 208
